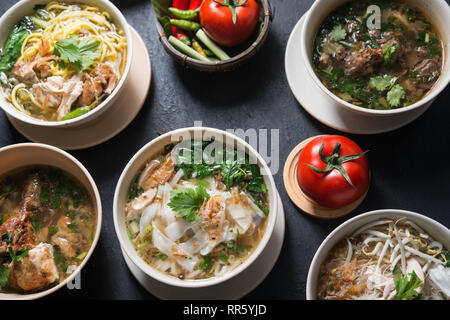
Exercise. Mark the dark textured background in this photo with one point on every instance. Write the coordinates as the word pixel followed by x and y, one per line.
pixel 410 166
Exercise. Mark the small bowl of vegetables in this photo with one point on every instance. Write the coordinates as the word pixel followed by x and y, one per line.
pixel 212 35
pixel 379 57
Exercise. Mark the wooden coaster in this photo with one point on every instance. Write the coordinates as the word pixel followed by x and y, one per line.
pixel 302 201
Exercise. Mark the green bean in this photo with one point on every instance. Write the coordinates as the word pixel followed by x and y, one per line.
pixel 184 14
pixel 185 24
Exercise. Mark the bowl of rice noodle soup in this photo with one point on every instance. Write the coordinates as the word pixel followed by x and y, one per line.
pixel 383 255
pixel 62 63
pixel 195 222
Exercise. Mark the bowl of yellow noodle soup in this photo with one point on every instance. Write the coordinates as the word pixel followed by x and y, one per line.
pixel 62 63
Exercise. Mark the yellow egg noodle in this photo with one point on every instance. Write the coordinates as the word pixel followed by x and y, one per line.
pixel 67 20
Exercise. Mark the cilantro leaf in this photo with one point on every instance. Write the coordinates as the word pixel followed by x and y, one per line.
pixel 406 284
pixel 79 53
pixel 395 95
pixel 187 202
pixel 4 276
pixel 338 33
pixel 388 52
pixel 382 83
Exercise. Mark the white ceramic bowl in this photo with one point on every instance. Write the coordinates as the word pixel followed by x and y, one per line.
pixel 29 154
pixel 437 11
pixel 24 7
pixel 150 150
pixel 436 230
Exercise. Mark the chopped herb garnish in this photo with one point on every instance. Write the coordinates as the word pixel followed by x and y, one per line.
pixel 73 226
pixel 36 224
pixel 233 247
pixel 4 276
pixel 406 285
pixel 160 255
pixel 187 202
pixel 206 263
pixel 53 230
pixel 395 95
pixel 6 238
pixel 18 255
pixel 338 33
pixel 223 257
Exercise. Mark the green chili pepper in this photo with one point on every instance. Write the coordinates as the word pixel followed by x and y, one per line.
pixel 184 14
pixel 83 110
pixel 185 24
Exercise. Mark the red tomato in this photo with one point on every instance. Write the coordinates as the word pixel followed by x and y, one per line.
pixel 217 21
pixel 331 189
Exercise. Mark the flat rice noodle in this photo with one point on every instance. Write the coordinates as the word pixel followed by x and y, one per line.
pixel 165 245
pixel 241 214
pixel 148 215
pixel 196 243
pixel 166 213
pixel 177 229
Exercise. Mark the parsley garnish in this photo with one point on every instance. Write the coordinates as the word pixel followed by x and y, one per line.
pixel 388 52
pixel 395 95
pixel 80 54
pixel 187 202
pixel 338 33
pixel 406 285
pixel 382 83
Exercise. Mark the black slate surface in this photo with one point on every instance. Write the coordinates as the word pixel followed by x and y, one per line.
pixel 409 166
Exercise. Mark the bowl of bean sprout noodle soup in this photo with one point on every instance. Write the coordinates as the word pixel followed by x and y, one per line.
pixel 383 255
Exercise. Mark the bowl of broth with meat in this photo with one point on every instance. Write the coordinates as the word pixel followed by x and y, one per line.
pixel 50 218
pixel 378 57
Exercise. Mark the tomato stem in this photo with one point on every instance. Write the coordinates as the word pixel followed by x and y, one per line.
pixel 335 161
pixel 232 4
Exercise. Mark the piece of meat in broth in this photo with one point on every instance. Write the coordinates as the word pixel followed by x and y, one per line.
pixel 161 175
pixel 36 271
pixel 67 239
pixel 71 91
pixel 18 227
pixel 102 79
pixel 49 93
pixel 362 62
